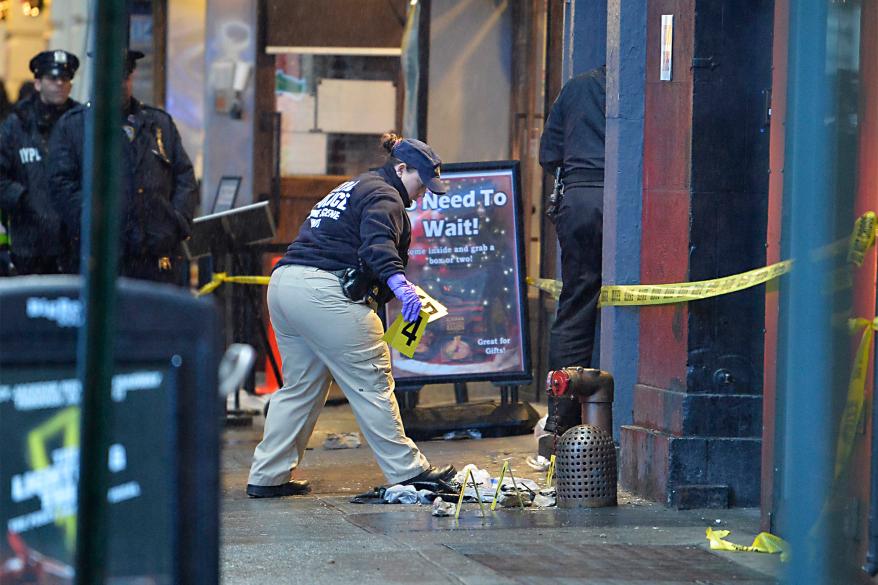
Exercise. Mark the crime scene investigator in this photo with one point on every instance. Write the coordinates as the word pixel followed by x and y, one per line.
pixel 159 189
pixel 573 139
pixel 30 214
pixel 355 239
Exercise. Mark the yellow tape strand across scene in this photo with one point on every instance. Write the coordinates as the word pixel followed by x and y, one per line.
pixel 862 238
pixel 853 409
pixel 662 294
pixel 765 542
pixel 219 278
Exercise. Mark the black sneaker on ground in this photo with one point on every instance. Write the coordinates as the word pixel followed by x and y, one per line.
pixel 432 475
pixel 295 487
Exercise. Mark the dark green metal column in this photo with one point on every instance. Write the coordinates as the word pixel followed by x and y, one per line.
pixel 102 184
pixel 815 341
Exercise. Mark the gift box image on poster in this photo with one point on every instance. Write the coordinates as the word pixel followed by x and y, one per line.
pixel 464 255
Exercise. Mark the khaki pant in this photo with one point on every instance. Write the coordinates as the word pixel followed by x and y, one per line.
pixel 320 333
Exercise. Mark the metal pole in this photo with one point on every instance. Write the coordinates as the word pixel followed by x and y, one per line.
pixel 102 181
pixel 812 364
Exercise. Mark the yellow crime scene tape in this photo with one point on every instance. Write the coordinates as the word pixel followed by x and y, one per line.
pixel 861 239
pixel 765 542
pixel 219 278
pixel 661 294
pixel 681 292
pixel 856 398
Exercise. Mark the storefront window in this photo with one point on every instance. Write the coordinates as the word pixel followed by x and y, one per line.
pixel 333 109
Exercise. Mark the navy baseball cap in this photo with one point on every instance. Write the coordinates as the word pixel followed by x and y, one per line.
pixel 57 63
pixel 422 158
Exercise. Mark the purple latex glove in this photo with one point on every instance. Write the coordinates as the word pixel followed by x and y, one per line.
pixel 405 292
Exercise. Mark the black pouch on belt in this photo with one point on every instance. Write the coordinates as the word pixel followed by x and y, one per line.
pixel 360 284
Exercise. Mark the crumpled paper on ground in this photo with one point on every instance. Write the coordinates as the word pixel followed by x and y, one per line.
pixel 545 498
pixel 539 462
pixel 442 508
pixel 342 441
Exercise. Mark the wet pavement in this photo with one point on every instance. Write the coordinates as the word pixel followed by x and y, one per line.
pixel 323 538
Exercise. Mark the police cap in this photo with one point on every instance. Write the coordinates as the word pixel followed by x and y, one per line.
pixel 424 159
pixel 130 56
pixel 58 63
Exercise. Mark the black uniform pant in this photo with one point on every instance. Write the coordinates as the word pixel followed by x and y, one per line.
pixel 579 225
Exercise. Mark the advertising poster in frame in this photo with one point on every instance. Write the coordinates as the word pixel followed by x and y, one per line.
pixel 467 252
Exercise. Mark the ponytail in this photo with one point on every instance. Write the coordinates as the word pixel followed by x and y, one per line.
pixel 389 140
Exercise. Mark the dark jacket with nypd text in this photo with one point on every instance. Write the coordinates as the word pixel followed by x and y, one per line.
pixel 361 219
pixel 26 204
pixel 159 188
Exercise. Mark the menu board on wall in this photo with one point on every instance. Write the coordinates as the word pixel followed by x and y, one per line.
pixel 467 253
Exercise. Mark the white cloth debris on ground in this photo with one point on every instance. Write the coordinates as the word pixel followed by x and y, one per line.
pixel 342 441
pixel 442 508
pixel 407 494
pixel 401 494
pixel 480 476
pixel 540 428
pixel 539 462
pixel 426 497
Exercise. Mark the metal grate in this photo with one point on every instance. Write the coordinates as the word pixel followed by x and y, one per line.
pixel 586 468
pixel 607 564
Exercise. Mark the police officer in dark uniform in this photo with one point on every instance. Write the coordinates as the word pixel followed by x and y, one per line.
pixel 30 215
pixel 573 140
pixel 159 187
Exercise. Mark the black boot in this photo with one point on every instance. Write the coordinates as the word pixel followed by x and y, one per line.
pixel 295 487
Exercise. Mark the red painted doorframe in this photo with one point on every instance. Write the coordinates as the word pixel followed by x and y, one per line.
pixel 864 279
pixel 772 252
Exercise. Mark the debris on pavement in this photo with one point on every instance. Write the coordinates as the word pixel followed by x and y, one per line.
pixel 480 476
pixel 545 498
pixel 342 441
pixel 765 542
pixel 401 494
pixel 442 508
pixel 510 499
pixel 540 428
pixel 464 434
pixel 538 463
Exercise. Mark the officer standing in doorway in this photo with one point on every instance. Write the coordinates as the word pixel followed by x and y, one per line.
pixel 30 215
pixel 573 141
pixel 159 188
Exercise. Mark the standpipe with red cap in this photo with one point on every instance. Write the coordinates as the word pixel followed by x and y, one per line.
pixel 593 388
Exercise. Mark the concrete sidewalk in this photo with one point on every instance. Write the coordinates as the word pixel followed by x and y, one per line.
pixel 322 538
